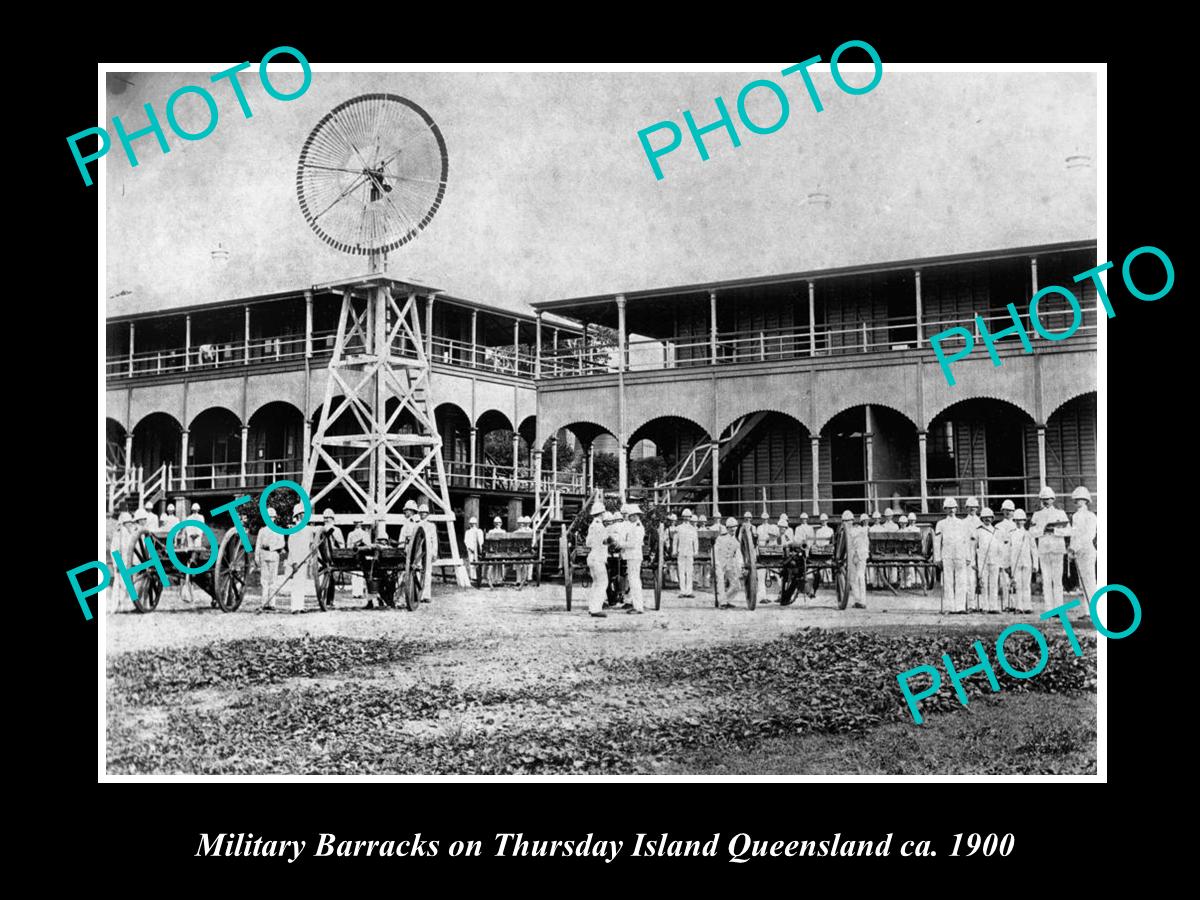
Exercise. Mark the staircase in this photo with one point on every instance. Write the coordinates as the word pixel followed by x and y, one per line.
pixel 690 479
pixel 132 489
pixel 553 530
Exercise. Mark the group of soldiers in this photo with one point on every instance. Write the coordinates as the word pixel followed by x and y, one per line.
pixel 625 533
pixel 124 537
pixel 988 566
pixel 473 541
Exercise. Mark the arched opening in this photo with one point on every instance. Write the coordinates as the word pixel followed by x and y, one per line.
pixel 214 450
pixel 1071 446
pixel 765 464
pixel 275 444
pixel 454 426
pixel 984 448
pixel 595 459
pixel 156 441
pixel 663 454
pixel 503 454
pixel 869 457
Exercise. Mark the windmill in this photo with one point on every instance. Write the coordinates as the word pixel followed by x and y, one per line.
pixel 371 176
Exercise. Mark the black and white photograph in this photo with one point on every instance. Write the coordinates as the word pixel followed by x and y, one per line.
pixel 604 422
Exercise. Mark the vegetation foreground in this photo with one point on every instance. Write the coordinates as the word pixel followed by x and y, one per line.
pixel 814 701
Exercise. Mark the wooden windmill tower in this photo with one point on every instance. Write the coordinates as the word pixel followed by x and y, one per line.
pixel 371 176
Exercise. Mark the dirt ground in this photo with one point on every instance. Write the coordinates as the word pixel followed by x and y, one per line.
pixel 508 681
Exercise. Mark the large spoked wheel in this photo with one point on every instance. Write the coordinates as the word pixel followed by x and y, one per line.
pixel 842 584
pixel 145 583
pixel 231 571
pixel 659 566
pixel 751 570
pixel 414 583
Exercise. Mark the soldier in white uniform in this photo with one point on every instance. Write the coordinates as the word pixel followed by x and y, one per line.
pixel 151 518
pixel 785 530
pixel 687 542
pixel 473 546
pixel 858 549
pixel 728 562
pixel 494 571
pixel 1022 558
pixel 990 557
pixel 123 542
pixel 169 520
pixel 1051 547
pixel 1083 542
pixel 1004 530
pixel 972 520
pixel 299 544
pixel 888 525
pixel 951 548
pixel 431 550
pixel 268 544
pixel 632 537
pixel 597 560
pixel 358 537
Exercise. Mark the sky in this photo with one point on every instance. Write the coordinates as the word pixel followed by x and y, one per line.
pixel 550 194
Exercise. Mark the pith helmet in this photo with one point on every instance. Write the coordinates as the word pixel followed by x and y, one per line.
pixel 271 514
pixel 1007 504
pixel 874 515
pixel 889 512
pixel 634 510
pixel 847 516
pixel 1046 493
pixel 471 521
pixel 497 521
pixel 139 516
pixel 766 516
pixel 783 519
pixel 731 522
pixel 804 516
pixel 170 507
pixel 864 518
pixel 124 518
pixel 972 501
pixel 671 517
pixel 986 513
pixel 328 513
pixel 949 503
pixel 195 507
pixel 1019 515
pixel 824 517
pixel 410 505
pixel 1081 493
pixel 423 508
pixel 687 514
pixel 903 519
pixel 596 510
pixel 747 515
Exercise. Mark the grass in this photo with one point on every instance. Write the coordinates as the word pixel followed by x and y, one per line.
pixel 1019 734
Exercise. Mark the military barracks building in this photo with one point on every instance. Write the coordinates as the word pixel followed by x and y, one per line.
pixel 813 391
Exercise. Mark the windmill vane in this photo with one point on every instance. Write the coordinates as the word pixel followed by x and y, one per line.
pixel 372 174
